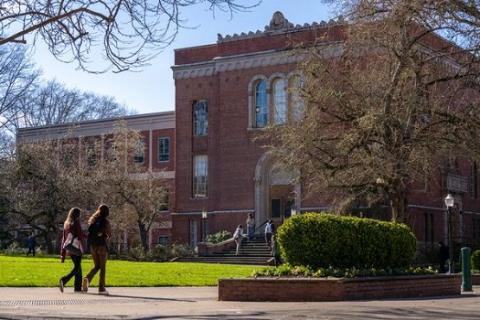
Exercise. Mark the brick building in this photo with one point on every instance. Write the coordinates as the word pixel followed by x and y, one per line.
pixel 225 94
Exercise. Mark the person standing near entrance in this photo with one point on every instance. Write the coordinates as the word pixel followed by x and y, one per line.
pixel 269 231
pixel 99 231
pixel 250 226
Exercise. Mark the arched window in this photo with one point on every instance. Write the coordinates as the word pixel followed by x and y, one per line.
pixel 261 107
pixel 279 101
pixel 297 105
pixel 200 118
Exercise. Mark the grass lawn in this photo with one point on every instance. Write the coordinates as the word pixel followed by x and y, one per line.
pixel 45 272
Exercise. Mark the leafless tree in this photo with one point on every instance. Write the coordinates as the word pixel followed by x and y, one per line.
pixel 17 79
pixel 127 33
pixel 53 104
pixel 398 101
pixel 41 184
pixel 137 195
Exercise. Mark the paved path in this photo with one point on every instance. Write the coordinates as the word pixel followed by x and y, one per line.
pixel 201 303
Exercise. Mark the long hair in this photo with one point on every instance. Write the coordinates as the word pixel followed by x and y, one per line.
pixel 102 212
pixel 72 216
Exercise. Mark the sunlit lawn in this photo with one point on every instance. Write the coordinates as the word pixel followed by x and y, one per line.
pixel 45 272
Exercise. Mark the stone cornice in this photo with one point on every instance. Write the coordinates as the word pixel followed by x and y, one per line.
pixel 247 61
pixel 145 122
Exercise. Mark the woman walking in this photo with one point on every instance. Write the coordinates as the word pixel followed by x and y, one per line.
pixel 72 245
pixel 98 232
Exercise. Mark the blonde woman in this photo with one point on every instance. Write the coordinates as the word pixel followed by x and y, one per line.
pixel 99 231
pixel 72 245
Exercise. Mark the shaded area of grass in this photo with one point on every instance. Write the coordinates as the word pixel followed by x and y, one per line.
pixel 45 272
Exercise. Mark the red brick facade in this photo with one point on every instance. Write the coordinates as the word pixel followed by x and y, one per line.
pixel 241 176
pixel 222 75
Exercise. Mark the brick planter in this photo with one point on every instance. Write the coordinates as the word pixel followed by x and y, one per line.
pixel 476 279
pixel 310 289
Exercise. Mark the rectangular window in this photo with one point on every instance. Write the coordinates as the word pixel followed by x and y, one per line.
pixel 163 240
pixel 163 149
pixel 429 228
pixel 139 152
pixel 200 118
pixel 200 176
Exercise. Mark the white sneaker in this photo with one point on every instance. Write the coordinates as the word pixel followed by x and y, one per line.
pixel 85 284
pixel 104 293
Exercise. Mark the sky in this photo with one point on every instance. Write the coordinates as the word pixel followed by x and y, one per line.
pixel 152 89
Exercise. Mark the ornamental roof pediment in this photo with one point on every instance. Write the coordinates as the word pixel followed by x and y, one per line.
pixel 279 24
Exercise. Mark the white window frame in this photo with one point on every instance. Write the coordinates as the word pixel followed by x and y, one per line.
pixel 140 144
pixel 257 106
pixel 200 126
pixel 200 176
pixel 280 101
pixel 159 149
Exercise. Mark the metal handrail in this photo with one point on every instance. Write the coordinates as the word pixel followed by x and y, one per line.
pixel 260 226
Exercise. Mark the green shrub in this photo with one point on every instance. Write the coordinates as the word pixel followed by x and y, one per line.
pixel 287 270
pixel 219 236
pixel 327 240
pixel 476 260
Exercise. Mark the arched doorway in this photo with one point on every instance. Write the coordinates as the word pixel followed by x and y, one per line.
pixel 277 191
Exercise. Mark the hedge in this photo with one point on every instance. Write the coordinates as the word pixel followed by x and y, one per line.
pixel 322 240
pixel 476 260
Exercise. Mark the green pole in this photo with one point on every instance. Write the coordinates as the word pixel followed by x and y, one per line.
pixel 466 270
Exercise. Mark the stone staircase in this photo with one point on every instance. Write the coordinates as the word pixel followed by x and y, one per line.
pixel 253 252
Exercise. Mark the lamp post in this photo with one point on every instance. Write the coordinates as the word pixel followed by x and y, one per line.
pixel 449 203
pixel 204 227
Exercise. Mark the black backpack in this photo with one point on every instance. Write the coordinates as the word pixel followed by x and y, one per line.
pixel 96 235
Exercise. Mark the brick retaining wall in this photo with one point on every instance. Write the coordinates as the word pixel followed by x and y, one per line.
pixel 476 279
pixel 305 289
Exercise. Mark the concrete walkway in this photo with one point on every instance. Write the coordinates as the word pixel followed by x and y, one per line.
pixel 201 303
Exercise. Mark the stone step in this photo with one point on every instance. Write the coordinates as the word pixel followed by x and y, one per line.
pixel 227 260
pixel 240 254
pixel 259 253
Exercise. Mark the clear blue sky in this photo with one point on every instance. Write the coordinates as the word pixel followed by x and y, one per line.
pixel 152 89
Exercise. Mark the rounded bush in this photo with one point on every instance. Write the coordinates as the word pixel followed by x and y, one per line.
pixel 476 260
pixel 321 240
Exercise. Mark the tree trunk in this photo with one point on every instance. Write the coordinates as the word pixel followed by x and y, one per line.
pixel 143 235
pixel 398 205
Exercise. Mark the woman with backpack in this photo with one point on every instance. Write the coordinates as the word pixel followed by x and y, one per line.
pixel 98 232
pixel 72 245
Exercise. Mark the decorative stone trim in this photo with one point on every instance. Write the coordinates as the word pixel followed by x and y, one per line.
pixel 278 25
pixel 249 61
pixel 331 289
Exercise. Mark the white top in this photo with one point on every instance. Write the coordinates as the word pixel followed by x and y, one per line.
pixel 268 228
pixel 238 233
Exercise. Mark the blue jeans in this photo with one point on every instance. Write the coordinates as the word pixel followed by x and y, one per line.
pixel 250 232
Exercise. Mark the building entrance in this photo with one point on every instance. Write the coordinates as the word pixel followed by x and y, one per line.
pixel 277 191
pixel 282 200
